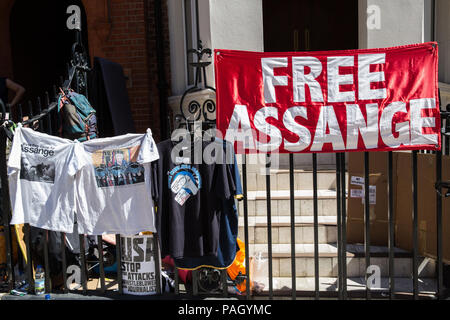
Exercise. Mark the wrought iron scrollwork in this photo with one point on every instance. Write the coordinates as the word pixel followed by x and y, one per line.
pixel 78 70
pixel 209 280
pixel 197 110
pixel 209 107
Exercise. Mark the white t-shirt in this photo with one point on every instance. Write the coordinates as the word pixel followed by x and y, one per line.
pixel 114 186
pixel 41 174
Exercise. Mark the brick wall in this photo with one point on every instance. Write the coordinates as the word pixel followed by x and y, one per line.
pixel 132 43
pixel 153 62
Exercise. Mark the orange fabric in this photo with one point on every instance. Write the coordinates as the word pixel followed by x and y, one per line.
pixel 238 265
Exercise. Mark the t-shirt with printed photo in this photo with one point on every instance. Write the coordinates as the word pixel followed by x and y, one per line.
pixel 114 186
pixel 41 174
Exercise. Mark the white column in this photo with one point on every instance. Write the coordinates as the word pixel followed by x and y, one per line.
pixel 387 23
pixel 234 24
pixel 177 46
pixel 443 39
pixel 223 24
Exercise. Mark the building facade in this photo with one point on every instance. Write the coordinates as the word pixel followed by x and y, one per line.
pixel 37 45
pixel 150 39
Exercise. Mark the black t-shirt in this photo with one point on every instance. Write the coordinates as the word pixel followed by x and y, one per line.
pixel 190 203
pixel 3 90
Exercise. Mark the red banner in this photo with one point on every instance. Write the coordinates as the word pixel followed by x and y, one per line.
pixel 330 101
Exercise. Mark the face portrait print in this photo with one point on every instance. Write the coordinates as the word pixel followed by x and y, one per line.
pixel 26 171
pixel 117 167
pixel 37 170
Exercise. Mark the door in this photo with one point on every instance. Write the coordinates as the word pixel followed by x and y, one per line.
pixel 41 43
pixel 310 25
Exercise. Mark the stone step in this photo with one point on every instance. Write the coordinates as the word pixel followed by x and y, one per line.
pixel 328 260
pixel 279 180
pixel 403 285
pixel 281 231
pixel 285 194
pixel 280 203
pixel 325 161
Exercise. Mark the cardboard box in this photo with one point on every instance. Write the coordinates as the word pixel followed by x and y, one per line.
pixel 403 202
pixel 426 204
pixel 378 180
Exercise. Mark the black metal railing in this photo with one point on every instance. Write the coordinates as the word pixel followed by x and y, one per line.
pixel 342 292
pixel 341 202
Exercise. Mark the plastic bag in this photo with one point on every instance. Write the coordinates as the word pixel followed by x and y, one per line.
pixel 259 272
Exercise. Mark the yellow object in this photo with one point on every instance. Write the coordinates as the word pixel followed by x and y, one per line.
pixel 20 234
